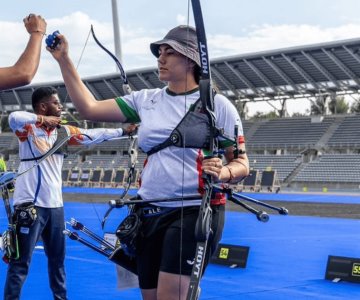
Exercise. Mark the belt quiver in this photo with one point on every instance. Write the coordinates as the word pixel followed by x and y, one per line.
pixel 25 214
pixel 127 232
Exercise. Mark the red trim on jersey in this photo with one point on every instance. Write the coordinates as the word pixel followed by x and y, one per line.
pixel 241 139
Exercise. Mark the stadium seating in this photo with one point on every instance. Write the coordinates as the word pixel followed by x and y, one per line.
pixel 284 164
pixel 288 132
pixel 85 177
pixel 95 177
pixel 7 141
pixel 309 149
pixel 65 176
pixel 13 162
pixel 107 178
pixel 106 161
pixel 347 134
pixel 278 145
pixel 119 178
pixel 74 178
pixel 331 168
pixel 71 161
pixel 251 182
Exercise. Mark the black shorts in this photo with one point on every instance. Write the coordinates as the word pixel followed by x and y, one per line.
pixel 163 244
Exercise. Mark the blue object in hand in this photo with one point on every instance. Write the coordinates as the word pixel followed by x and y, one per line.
pixel 52 40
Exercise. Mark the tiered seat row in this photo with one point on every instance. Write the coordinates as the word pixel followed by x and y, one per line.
pixel 99 177
pixel 289 138
pixel 332 168
pixel 289 132
pixel 283 164
pixel 347 134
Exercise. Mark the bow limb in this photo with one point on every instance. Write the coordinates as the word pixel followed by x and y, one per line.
pixel 126 86
pixel 13 176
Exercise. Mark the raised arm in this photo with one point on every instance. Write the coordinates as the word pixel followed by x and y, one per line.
pixel 24 70
pixel 18 120
pixel 93 136
pixel 83 99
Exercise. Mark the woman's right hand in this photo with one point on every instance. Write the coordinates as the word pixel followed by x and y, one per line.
pixel 131 129
pixel 61 50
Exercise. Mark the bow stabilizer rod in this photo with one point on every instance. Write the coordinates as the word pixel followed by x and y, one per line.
pixel 79 226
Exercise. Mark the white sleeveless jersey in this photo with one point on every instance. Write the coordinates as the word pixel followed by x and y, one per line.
pixel 42 184
pixel 172 172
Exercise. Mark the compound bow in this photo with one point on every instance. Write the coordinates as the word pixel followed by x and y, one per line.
pixel 203 224
pixel 132 148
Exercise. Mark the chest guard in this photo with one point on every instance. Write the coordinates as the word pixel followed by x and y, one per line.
pixel 193 131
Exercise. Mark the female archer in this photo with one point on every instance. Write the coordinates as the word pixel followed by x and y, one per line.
pixel 166 246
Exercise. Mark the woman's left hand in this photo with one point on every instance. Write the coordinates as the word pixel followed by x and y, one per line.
pixel 214 167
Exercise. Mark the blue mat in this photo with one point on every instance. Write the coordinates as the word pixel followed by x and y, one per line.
pixel 287 260
pixel 292 197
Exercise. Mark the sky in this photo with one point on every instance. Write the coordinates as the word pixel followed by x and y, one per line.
pixel 233 27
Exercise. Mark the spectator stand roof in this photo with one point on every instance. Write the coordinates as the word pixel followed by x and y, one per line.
pixel 296 72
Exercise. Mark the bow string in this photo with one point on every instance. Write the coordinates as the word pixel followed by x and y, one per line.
pixel 133 153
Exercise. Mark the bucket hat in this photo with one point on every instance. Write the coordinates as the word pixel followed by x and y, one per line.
pixel 183 39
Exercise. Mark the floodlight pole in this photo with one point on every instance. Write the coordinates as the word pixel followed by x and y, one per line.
pixel 116 27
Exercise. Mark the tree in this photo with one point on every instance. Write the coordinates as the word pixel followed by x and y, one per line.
pixel 242 108
pixel 269 115
pixel 298 114
pixel 324 105
pixel 355 107
pixel 318 107
pixel 338 105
